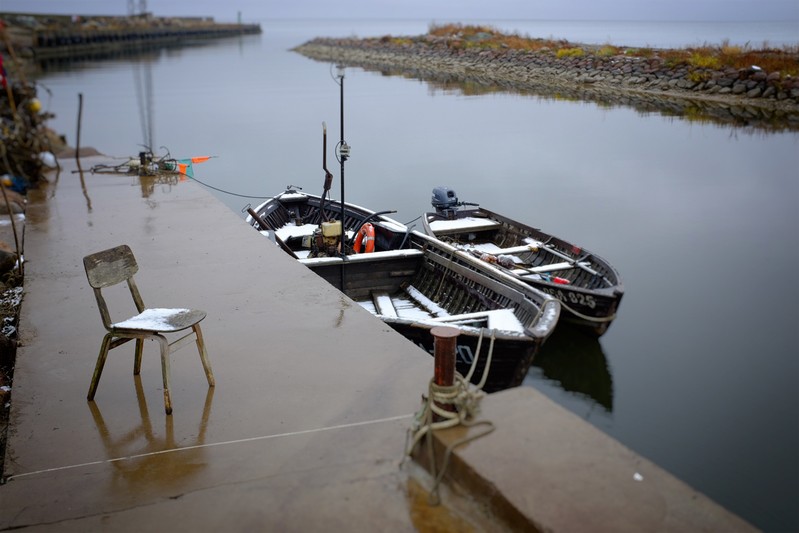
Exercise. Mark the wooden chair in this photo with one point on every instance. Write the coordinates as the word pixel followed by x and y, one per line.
pixel 113 266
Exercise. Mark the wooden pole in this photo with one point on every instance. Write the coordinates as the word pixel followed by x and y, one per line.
pixel 77 139
pixel 77 155
pixel 11 217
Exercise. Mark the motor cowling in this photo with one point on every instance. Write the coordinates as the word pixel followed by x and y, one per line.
pixel 444 198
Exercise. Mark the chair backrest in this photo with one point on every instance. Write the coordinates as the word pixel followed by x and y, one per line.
pixel 110 267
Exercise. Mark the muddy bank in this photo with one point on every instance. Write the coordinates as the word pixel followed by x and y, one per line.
pixel 741 97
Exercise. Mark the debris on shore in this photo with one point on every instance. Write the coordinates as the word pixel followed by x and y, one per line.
pixel 27 149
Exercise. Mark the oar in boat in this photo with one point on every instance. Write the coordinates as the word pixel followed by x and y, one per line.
pixel 264 227
pixel 537 245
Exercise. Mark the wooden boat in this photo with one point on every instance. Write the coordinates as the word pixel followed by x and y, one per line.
pixel 414 283
pixel 588 287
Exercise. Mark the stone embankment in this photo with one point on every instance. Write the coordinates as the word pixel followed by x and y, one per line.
pixel 749 96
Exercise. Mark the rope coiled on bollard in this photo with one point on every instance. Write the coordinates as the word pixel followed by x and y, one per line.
pixel 465 399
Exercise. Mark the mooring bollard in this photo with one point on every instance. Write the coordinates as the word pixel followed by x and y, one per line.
pixel 445 339
pixel 444 343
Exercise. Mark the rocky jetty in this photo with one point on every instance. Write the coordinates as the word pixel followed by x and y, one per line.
pixel 744 96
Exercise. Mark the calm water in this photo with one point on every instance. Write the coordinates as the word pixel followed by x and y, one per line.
pixel 700 371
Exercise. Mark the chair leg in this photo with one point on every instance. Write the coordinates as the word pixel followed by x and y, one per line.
pixel 137 362
pixel 204 355
pixel 98 368
pixel 165 371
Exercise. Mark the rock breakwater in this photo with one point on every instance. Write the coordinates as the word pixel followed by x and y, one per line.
pixel 742 96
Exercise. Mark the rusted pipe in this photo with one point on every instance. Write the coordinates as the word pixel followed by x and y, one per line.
pixel 444 343
pixel 445 339
pixel 262 224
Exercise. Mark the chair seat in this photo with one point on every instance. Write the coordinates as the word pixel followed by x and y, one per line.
pixel 161 320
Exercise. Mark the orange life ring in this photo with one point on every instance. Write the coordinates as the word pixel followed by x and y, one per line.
pixel 366 237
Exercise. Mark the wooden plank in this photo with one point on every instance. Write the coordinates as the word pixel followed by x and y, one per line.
pixel 109 267
pixel 552 267
pixel 461 225
pixel 383 304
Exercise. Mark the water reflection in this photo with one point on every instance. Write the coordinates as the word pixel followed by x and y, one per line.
pixel 694 110
pixel 150 52
pixel 168 180
pixel 577 364
pixel 137 454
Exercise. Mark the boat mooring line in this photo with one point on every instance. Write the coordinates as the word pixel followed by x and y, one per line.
pixel 224 191
pixel 212 445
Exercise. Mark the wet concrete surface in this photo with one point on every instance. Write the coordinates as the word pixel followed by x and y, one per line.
pixel 295 365
pixel 306 426
pixel 545 469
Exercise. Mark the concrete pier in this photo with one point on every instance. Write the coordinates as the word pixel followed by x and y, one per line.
pixel 43 38
pixel 306 425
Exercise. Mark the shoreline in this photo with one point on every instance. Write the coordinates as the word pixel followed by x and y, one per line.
pixel 740 97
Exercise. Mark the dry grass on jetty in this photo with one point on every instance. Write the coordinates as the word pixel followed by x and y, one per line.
pixel 763 81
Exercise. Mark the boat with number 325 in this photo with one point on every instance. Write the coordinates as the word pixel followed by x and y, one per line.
pixel 588 287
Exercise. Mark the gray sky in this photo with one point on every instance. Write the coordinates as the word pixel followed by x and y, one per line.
pixel 436 10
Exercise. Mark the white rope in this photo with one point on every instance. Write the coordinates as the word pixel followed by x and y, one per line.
pixel 211 445
pixel 597 319
pixel 464 398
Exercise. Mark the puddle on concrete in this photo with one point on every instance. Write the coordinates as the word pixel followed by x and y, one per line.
pixel 138 452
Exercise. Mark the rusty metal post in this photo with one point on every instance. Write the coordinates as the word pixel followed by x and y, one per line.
pixel 444 344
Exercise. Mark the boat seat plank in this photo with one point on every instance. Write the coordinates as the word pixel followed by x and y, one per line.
pixel 499 319
pixel 409 309
pixel 430 306
pixel 383 304
pixel 447 227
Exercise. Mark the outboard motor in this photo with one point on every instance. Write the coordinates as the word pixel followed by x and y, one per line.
pixel 444 199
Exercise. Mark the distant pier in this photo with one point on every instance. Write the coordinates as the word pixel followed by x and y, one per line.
pixel 45 37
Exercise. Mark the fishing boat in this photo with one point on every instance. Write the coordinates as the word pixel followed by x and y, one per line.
pixel 588 287
pixel 413 283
